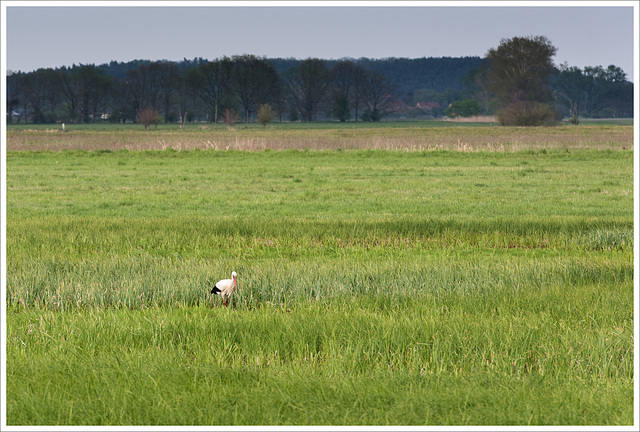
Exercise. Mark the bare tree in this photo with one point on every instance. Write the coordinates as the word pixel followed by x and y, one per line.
pixel 214 81
pixel 148 116
pixel 255 82
pixel 13 92
pixel 71 93
pixel 572 89
pixel 135 89
pixel 34 89
pixel 96 88
pixel 308 87
pixel 188 96
pixel 377 95
pixel 345 86
pixel 170 78
pixel 359 84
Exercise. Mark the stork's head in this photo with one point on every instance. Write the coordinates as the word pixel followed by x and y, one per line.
pixel 234 274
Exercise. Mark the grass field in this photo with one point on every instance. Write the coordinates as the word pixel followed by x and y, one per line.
pixel 377 286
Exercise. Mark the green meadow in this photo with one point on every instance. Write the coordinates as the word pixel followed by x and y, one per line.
pixel 418 285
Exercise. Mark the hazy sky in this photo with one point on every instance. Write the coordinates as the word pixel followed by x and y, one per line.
pixel 39 36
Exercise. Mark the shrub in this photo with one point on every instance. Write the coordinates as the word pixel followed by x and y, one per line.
pixel 371 115
pixel 147 116
pixel 229 116
pixel 524 113
pixel 463 108
pixel 265 114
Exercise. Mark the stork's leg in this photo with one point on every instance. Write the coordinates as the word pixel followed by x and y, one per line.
pixel 225 301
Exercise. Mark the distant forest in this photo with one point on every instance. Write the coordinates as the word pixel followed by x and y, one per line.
pixel 234 89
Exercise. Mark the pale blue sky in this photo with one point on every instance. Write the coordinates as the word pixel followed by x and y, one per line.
pixel 63 35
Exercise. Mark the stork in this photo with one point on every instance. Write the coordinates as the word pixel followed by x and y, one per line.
pixel 225 287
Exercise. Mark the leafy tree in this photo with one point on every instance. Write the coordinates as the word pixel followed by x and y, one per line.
pixel 518 73
pixel 519 69
pixel 611 91
pixel 610 74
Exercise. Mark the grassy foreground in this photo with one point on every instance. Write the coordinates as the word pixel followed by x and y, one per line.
pixel 376 288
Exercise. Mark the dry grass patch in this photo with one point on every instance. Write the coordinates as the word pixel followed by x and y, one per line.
pixel 457 138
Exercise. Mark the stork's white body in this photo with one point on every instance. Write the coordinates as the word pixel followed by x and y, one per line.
pixel 226 287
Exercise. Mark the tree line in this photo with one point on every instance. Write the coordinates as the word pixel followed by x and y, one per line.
pixel 527 89
pixel 201 92
pixel 234 88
